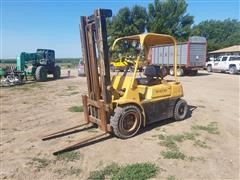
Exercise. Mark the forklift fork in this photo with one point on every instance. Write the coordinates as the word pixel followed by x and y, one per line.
pixel 97 104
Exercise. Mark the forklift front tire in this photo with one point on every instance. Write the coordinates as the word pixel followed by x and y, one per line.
pixel 126 121
pixel 180 110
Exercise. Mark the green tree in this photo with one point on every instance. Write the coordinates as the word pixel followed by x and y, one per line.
pixel 219 34
pixel 169 17
pixel 127 22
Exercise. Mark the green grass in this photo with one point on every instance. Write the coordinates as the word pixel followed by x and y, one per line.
pixel 66 171
pixel 171 142
pixel 173 154
pixel 171 178
pixel 68 156
pixel 211 128
pixel 76 109
pixel 201 144
pixel 41 162
pixel 140 171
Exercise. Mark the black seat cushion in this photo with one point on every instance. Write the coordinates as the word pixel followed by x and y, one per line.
pixel 152 71
pixel 148 82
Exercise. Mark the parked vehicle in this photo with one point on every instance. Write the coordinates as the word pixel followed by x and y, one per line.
pixel 191 56
pixel 229 64
pixel 81 71
pixel 120 64
pixel 37 65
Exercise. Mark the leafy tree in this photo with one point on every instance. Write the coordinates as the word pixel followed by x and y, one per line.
pixel 169 17
pixel 127 22
pixel 219 34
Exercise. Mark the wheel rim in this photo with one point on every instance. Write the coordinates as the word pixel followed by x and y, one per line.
pixel 179 72
pixel 129 122
pixel 181 110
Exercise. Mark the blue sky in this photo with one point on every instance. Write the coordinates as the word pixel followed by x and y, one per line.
pixel 30 24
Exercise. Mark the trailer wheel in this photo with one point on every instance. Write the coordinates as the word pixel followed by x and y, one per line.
pixel 41 73
pixel 180 72
pixel 126 121
pixel 57 72
pixel 171 71
pixel 180 110
pixel 193 72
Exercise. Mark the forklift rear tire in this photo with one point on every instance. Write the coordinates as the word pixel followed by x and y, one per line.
pixel 180 110
pixel 41 73
pixel 126 121
pixel 57 72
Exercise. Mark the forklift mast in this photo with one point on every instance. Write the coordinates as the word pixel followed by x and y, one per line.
pixel 95 54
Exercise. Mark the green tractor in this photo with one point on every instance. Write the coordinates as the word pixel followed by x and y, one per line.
pixel 37 65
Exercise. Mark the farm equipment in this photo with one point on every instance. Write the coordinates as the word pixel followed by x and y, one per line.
pixel 37 65
pixel 191 56
pixel 121 105
pixel 122 63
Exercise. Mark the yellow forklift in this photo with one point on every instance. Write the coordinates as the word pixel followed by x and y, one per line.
pixel 123 104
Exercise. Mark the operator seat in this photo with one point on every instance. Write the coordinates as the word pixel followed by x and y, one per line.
pixel 153 74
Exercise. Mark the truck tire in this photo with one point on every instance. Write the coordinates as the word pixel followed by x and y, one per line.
pixel 171 71
pixel 41 73
pixel 209 68
pixel 180 72
pixel 193 72
pixel 232 70
pixel 180 110
pixel 126 121
pixel 57 72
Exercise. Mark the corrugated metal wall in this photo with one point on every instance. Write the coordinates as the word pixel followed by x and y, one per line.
pixel 164 55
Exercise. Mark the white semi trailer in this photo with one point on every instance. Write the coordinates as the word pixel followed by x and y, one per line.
pixel 191 56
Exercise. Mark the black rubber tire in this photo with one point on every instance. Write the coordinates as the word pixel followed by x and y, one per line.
pixel 41 73
pixel 57 72
pixel 119 117
pixel 232 70
pixel 193 72
pixel 180 72
pixel 209 68
pixel 180 110
pixel 171 72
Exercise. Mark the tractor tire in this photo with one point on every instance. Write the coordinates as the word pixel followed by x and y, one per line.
pixel 209 68
pixel 180 72
pixel 57 72
pixel 180 110
pixel 126 121
pixel 171 71
pixel 41 73
pixel 232 70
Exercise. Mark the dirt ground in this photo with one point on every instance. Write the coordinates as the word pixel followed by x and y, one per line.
pixel 32 110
